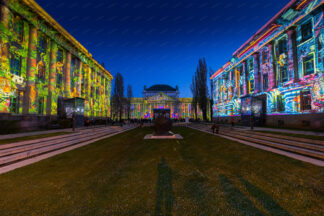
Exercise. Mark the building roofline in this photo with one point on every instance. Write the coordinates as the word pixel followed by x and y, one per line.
pixel 290 4
pixel 53 23
pixel 266 25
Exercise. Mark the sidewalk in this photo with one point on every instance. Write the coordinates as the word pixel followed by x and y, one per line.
pixel 312 133
pixel 279 130
pixel 33 133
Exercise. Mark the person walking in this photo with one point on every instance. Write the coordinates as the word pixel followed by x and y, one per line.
pixel 233 122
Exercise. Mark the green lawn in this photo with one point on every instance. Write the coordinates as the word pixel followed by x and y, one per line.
pixel 18 139
pixel 200 175
pixel 295 135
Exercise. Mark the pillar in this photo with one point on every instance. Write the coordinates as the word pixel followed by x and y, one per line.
pixel 67 75
pixel 245 78
pixel 292 54
pixel 80 77
pixel 29 103
pixel 4 52
pixel 51 104
pixel 256 65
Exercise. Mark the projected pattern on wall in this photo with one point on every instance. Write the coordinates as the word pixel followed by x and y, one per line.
pixel 283 63
pixel 40 62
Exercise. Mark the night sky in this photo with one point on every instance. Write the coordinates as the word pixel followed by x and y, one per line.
pixel 160 42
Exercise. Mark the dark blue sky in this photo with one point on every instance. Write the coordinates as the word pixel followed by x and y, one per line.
pixel 152 42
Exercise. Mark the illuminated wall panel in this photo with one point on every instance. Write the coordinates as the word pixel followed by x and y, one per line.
pixel 40 61
pixel 283 62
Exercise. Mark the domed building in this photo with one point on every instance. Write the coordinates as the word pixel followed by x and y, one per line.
pixel 163 97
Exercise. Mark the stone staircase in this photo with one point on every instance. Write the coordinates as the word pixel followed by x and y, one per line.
pixel 313 149
pixel 20 151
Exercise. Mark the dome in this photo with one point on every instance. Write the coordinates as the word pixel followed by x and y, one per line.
pixel 161 88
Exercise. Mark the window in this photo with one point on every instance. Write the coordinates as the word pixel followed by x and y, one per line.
pixel 40 106
pixel 13 105
pixel 305 100
pixel 251 86
pixel 97 92
pixel 226 76
pixel 265 82
pixel 283 73
pixel 18 28
pixel 308 64
pixel 59 56
pixel 250 65
pixel 307 30
pixel 15 65
pixel 265 57
pixel 92 91
pixel 72 73
pixel 59 79
pixel 42 44
pixel 283 46
pixel 41 72
pixel 280 103
pixel 82 82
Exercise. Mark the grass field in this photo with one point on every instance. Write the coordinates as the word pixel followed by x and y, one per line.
pixel 198 176
pixel 18 139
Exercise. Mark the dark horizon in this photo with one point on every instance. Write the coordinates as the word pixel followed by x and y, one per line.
pixel 160 42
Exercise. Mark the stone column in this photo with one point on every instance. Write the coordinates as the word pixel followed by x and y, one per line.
pixel 29 103
pixel 67 75
pixel 4 46
pixel 52 97
pixel 256 65
pixel 292 55
pixel 80 77
pixel 245 81
pixel 88 90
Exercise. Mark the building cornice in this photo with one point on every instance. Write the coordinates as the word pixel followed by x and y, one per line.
pixel 45 16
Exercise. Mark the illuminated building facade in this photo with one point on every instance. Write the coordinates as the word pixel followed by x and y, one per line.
pixel 281 67
pixel 41 62
pixel 163 97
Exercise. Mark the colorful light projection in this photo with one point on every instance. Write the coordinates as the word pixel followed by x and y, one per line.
pixel 270 62
pixel 59 65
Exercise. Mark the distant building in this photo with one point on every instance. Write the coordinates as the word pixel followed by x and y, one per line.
pixel 163 97
pixel 276 78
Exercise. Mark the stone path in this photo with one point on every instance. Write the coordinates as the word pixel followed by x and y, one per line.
pixel 19 154
pixel 311 151
pixel 33 133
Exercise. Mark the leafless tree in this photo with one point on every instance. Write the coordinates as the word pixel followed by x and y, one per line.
pixel 129 99
pixel 118 96
pixel 194 90
pixel 201 79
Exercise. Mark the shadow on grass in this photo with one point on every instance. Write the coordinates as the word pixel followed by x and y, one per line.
pixel 237 199
pixel 267 201
pixel 164 193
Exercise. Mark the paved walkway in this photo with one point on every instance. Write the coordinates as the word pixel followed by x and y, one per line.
pixel 33 133
pixel 312 133
pixel 280 130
